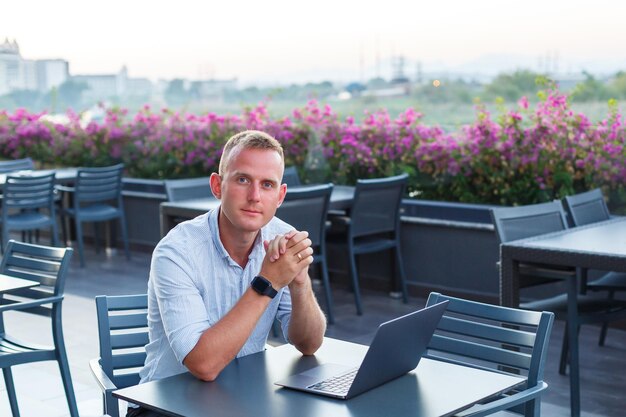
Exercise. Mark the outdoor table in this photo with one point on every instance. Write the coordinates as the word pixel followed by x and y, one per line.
pixel 9 283
pixel 246 388
pixel 599 245
pixel 62 175
pixel 172 211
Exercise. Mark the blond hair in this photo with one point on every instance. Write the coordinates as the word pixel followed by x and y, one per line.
pixel 248 139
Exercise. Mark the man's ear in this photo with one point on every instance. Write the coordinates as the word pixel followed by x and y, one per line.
pixel 216 185
pixel 283 192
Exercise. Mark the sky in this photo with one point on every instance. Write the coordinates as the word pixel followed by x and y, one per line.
pixel 279 41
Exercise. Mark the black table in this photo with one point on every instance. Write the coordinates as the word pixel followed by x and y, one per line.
pixel 596 246
pixel 8 283
pixel 246 388
pixel 173 211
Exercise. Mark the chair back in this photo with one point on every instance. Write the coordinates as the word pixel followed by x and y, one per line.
pixel 123 334
pixel 492 337
pixel 291 177
pixel 28 192
pixel 16 165
pixel 98 184
pixel 46 265
pixel 588 207
pixel 376 207
pixel 306 208
pixel 188 188
pixel 514 223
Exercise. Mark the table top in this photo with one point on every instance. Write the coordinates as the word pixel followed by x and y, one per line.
pixel 340 199
pixel 246 388
pixel 599 245
pixel 8 283
pixel 61 174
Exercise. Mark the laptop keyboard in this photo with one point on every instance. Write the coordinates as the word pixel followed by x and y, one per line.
pixel 339 384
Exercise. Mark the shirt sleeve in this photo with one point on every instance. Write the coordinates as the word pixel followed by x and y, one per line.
pixel 283 314
pixel 181 307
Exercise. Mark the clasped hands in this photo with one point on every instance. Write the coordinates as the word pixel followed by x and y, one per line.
pixel 287 258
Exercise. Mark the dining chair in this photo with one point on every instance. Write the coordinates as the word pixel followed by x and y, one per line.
pixel 97 197
pixel 123 335
pixel 306 208
pixel 586 208
pixel 16 165
pixel 501 339
pixel 291 177
pixel 373 225
pixel 28 204
pixel 48 267
pixel 188 188
pixel 514 223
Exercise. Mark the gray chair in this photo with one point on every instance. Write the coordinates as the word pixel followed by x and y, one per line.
pixel 97 197
pixel 16 165
pixel 48 267
pixel 372 226
pixel 514 223
pixel 291 177
pixel 586 208
pixel 499 339
pixel 306 208
pixel 123 335
pixel 28 204
pixel 187 189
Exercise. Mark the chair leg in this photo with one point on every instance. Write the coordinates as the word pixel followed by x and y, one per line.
pixel 405 292
pixel 603 331
pixel 54 238
pixel 79 240
pixel 64 228
pixel 355 280
pixel 605 325
pixel 112 406
pixel 64 368
pixel 327 293
pixel 96 237
pixel 564 352
pixel 125 235
pixel 10 386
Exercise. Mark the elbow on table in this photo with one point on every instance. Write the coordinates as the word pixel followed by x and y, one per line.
pixel 206 374
pixel 308 348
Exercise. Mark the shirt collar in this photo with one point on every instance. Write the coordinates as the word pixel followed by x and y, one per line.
pixel 215 235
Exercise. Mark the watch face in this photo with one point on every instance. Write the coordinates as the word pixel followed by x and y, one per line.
pixel 263 286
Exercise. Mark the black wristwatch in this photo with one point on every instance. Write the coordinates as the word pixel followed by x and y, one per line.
pixel 263 286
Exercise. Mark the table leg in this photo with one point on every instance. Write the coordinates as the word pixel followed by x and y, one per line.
pixel 509 279
pixel 572 329
pixel 168 222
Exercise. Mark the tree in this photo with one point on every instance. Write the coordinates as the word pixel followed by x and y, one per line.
pixel 70 94
pixel 617 86
pixel 513 86
pixel 175 93
pixel 590 90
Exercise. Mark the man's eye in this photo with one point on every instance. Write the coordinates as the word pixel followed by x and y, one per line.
pixel 242 180
pixel 268 184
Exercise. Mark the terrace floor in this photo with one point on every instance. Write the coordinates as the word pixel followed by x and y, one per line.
pixel 40 391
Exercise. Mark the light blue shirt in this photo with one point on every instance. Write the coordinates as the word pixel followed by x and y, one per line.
pixel 193 284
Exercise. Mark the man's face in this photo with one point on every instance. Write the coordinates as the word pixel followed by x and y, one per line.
pixel 250 189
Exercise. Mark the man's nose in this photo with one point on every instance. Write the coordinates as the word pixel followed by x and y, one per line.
pixel 254 192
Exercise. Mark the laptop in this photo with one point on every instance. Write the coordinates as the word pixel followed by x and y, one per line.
pixel 396 349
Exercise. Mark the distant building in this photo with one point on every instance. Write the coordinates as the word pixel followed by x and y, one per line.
pixel 107 86
pixel 51 73
pixel 17 73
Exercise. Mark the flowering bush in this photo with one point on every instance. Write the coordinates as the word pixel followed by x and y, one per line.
pixel 522 156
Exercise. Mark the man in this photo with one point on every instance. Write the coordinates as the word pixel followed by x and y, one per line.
pixel 218 281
